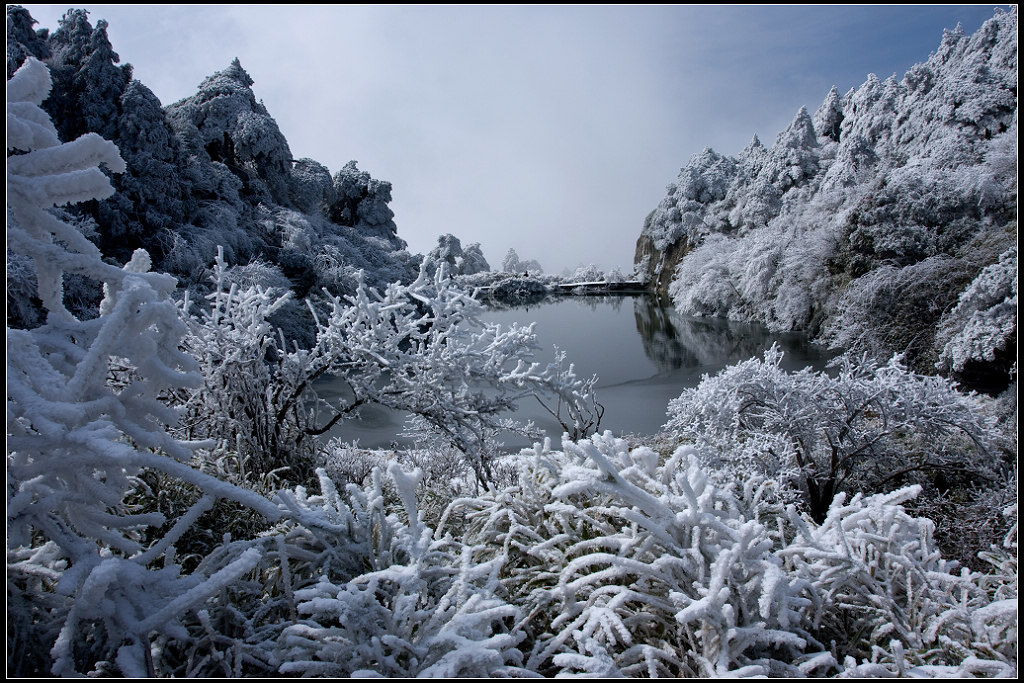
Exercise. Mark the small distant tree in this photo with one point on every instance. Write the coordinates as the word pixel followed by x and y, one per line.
pixel 512 264
pixel 456 260
pixel 869 428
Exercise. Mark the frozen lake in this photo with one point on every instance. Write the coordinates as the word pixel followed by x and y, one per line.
pixel 643 353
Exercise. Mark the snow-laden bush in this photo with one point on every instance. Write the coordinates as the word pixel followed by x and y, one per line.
pixel 250 402
pixel 890 604
pixel 421 348
pixel 623 564
pixel 869 427
pixel 355 583
pixel 86 582
pixel 420 604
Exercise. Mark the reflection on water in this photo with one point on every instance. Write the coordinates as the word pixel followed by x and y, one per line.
pixel 643 352
pixel 675 342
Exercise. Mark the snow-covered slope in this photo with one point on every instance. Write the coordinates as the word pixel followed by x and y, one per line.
pixel 864 222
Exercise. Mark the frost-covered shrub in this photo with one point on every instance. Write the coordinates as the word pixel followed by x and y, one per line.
pixel 623 562
pixel 983 325
pixel 971 522
pixel 867 428
pixel 345 463
pixel 891 605
pixel 90 586
pixel 422 604
pixel 626 565
pixel 250 401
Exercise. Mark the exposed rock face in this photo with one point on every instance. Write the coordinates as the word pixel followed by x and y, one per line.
pixel 656 266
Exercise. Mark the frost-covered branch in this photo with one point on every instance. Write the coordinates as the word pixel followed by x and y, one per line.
pixel 825 434
pixel 76 442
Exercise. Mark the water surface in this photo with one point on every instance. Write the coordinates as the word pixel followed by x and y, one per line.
pixel 644 354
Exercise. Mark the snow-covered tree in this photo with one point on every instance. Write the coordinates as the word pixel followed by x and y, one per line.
pixel 870 427
pixel 22 40
pixel 896 310
pixel 226 124
pixel 473 260
pixel 828 119
pixel 456 260
pixel 88 83
pixel 983 325
pixel 420 348
pixel 512 264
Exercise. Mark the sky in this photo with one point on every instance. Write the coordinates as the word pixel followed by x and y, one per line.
pixel 551 130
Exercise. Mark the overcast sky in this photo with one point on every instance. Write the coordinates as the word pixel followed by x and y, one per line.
pixel 550 130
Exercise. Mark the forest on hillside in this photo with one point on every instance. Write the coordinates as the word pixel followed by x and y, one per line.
pixel 175 509
pixel 886 222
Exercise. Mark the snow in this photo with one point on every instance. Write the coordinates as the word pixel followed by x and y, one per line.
pixel 153 530
pixel 895 175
